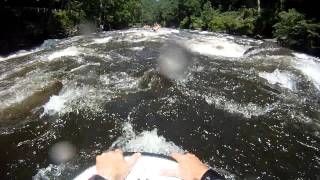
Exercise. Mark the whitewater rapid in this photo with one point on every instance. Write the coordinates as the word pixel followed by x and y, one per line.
pixel 227 98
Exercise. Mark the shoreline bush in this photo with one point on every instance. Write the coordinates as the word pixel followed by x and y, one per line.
pixel 295 31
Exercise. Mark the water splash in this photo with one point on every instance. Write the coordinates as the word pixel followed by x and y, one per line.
pixel 311 69
pixel 284 79
pixel 70 51
pixel 146 141
pixel 102 40
pixel 247 110
pixel 213 46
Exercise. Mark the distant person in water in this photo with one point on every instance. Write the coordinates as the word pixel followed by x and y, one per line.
pixel 146 26
pixel 156 27
pixel 113 166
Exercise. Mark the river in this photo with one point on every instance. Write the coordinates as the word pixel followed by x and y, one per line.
pixel 248 108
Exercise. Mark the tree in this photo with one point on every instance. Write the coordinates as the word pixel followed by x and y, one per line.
pixel 294 31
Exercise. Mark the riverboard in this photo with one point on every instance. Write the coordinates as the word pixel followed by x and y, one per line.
pixel 148 167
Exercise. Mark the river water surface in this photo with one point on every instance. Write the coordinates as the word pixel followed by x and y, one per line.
pixel 246 107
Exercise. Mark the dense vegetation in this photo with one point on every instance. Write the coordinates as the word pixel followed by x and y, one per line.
pixel 298 29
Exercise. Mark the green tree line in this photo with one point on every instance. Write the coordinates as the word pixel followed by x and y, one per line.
pixel 297 29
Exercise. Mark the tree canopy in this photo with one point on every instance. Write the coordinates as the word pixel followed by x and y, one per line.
pixel 267 18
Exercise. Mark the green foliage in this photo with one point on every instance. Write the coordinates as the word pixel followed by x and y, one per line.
pixel 264 23
pixel 60 24
pixel 295 31
pixel 149 12
pixel 64 22
pixel 75 12
pixel 196 23
pixel 249 19
pixel 185 23
pixel 191 7
pixel 207 13
pixel 168 12
pixel 228 16
pixel 223 22
pixel 234 22
pixel 68 17
pixel 164 12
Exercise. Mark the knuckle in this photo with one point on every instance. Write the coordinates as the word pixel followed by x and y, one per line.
pixel 98 157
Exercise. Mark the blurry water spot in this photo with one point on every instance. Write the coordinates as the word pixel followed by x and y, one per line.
pixel 174 61
pixel 62 152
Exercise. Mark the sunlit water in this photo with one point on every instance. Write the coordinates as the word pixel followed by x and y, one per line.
pixel 248 112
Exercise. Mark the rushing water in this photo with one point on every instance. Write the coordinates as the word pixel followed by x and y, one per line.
pixel 247 108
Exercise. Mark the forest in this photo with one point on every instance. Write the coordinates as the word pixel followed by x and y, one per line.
pixel 293 23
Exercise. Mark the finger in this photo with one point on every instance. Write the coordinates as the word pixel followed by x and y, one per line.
pixel 98 158
pixel 190 155
pixel 169 173
pixel 118 152
pixel 133 159
pixel 176 156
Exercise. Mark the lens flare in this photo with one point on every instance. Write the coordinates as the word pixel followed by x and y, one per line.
pixel 62 152
pixel 174 62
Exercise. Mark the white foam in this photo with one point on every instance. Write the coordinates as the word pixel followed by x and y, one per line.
pixel 45 45
pixel 247 110
pixel 284 79
pixel 137 48
pixel 221 102
pixel 49 172
pixel 54 105
pixel 13 96
pixel 120 81
pixel 150 141
pixel 146 141
pixel 84 65
pixel 73 98
pixel 70 51
pixel 204 32
pixel 150 33
pixel 102 40
pixel 70 99
pixel 20 53
pixel 305 56
pixel 213 46
pixel 311 69
pixel 23 88
pixel 140 35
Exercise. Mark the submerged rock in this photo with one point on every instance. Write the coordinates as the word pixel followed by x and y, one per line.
pixel 154 80
pixel 23 71
pixel 268 48
pixel 21 109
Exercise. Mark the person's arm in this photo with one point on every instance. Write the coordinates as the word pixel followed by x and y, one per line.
pixel 112 165
pixel 191 168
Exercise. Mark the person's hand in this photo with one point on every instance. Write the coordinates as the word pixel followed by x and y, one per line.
pixel 113 166
pixel 189 167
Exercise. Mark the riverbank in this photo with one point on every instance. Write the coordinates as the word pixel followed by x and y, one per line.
pixel 29 23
